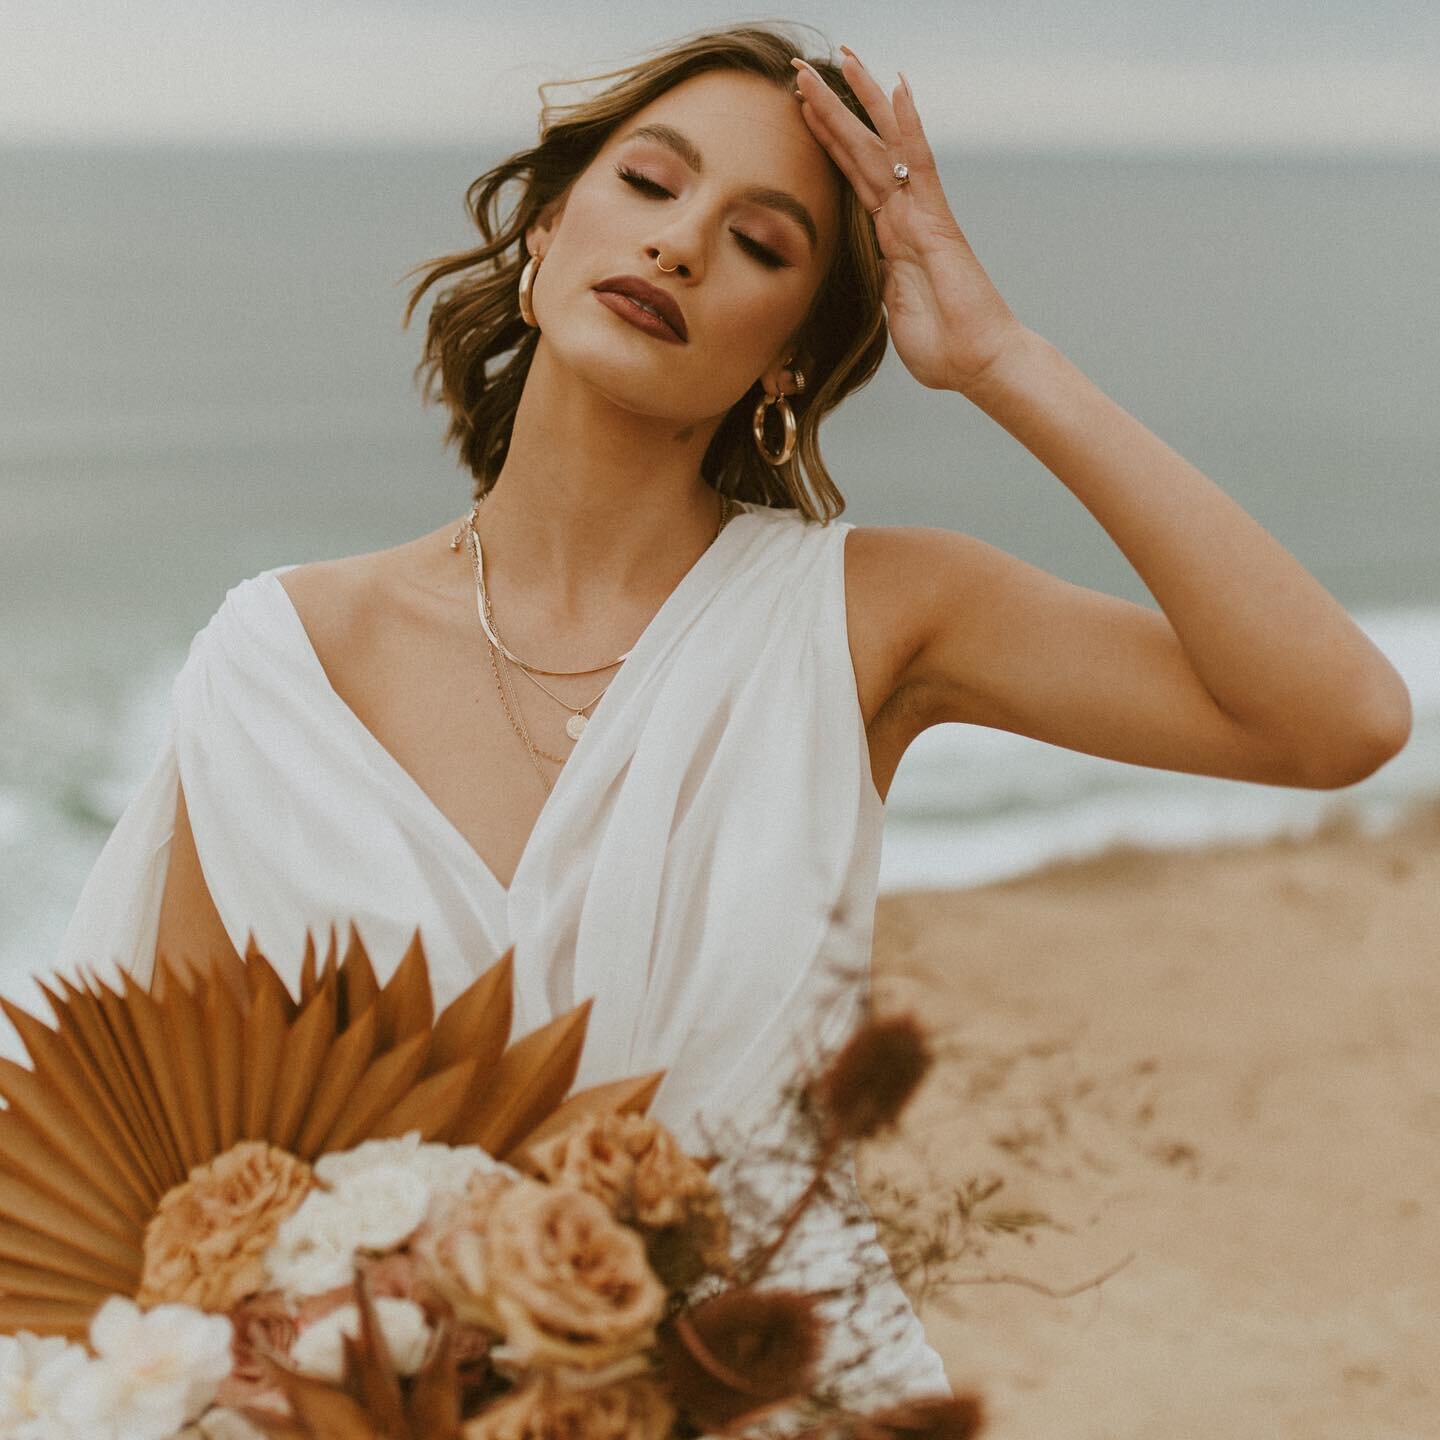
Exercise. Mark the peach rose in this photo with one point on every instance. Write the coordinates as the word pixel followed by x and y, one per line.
pixel 593 1155
pixel 547 1267
pixel 570 1284
pixel 636 1166
pixel 449 1249
pixel 631 1410
pixel 205 1245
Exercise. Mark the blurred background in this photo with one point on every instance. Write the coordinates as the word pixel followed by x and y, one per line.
pixel 1228 216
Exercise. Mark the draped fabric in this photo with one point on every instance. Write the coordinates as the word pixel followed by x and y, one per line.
pixel 704 866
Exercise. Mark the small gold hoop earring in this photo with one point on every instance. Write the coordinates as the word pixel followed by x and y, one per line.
pixel 787 416
pixel 527 286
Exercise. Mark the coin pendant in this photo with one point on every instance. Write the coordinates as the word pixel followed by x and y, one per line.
pixel 575 726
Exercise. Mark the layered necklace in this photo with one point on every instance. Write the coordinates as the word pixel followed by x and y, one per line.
pixel 578 719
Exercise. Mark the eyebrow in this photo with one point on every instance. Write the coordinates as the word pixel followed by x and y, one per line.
pixel 685 148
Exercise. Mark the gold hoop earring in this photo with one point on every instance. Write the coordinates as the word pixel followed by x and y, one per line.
pixel 787 416
pixel 527 286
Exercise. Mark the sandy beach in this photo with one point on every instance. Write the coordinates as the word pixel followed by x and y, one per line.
pixel 1216 1070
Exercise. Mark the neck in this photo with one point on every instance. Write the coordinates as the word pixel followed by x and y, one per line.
pixel 597 507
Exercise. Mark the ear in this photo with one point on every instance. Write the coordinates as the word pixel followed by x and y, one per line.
pixel 539 234
pixel 779 378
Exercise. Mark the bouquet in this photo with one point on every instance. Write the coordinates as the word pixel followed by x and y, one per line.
pixel 229 1213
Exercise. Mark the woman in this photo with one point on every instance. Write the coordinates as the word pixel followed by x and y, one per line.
pixel 654 755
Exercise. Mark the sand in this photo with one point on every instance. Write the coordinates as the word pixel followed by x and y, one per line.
pixel 1217 1069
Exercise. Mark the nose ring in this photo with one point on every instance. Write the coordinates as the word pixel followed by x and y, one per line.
pixel 671 270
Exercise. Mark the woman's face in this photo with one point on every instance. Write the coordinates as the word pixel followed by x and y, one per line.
pixel 730 191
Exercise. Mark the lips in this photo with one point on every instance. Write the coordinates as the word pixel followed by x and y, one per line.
pixel 649 295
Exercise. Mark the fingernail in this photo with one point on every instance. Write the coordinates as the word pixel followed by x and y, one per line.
pixel 906 84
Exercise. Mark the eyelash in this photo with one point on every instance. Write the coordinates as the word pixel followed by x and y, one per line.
pixel 762 253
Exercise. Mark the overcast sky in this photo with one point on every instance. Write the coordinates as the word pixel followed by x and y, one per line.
pixel 1356 75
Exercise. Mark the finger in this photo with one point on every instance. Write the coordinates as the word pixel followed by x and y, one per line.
pixel 871 96
pixel 859 181
pixel 929 190
pixel 916 146
pixel 852 144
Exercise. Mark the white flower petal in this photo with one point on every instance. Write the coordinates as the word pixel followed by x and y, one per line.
pixel 318 1349
pixel 155 1369
pixel 385 1205
pixel 35 1372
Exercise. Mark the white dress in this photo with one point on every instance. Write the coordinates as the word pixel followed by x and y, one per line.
pixel 704 865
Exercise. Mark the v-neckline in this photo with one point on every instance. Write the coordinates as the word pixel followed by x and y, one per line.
pixel 409 789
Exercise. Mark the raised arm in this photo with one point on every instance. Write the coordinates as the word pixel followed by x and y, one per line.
pixel 1253 670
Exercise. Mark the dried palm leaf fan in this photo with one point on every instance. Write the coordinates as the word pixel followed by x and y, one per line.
pixel 135 1088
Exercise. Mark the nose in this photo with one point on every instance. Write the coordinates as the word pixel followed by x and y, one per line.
pixel 679 247
pixel 668 259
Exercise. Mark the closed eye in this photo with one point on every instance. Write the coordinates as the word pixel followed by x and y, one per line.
pixel 646 185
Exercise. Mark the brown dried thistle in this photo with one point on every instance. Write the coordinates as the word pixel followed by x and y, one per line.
pixel 866 1086
pixel 945 1417
pixel 740 1354
pixel 860 1092
pixel 925 1417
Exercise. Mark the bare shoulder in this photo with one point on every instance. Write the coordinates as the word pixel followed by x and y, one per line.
pixel 890 575
pixel 334 600
pixel 346 601
pixel 912 583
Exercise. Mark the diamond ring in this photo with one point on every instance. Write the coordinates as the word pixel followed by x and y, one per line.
pixel 901 171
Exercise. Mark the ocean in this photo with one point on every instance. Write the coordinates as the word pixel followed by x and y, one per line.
pixel 203 375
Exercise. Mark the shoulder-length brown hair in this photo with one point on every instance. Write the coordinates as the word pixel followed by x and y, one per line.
pixel 475 322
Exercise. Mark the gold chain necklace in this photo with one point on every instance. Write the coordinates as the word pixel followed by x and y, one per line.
pixel 575 725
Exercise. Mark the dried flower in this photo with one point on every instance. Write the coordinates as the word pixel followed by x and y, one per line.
pixel 206 1243
pixel 443 1169
pixel 593 1155
pixel 374 1209
pixel 348 1385
pixel 547 1267
pixel 636 1166
pixel 945 1417
pixel 453 1076
pixel 569 1283
pixel 263 1324
pixel 319 1349
pixel 631 1410
pixel 35 1374
pixel 741 1352
pixel 450 1250
pixel 222 1423
pixel 154 1370
pixel 867 1085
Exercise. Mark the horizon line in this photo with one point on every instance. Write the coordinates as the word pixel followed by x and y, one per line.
pixel 510 142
